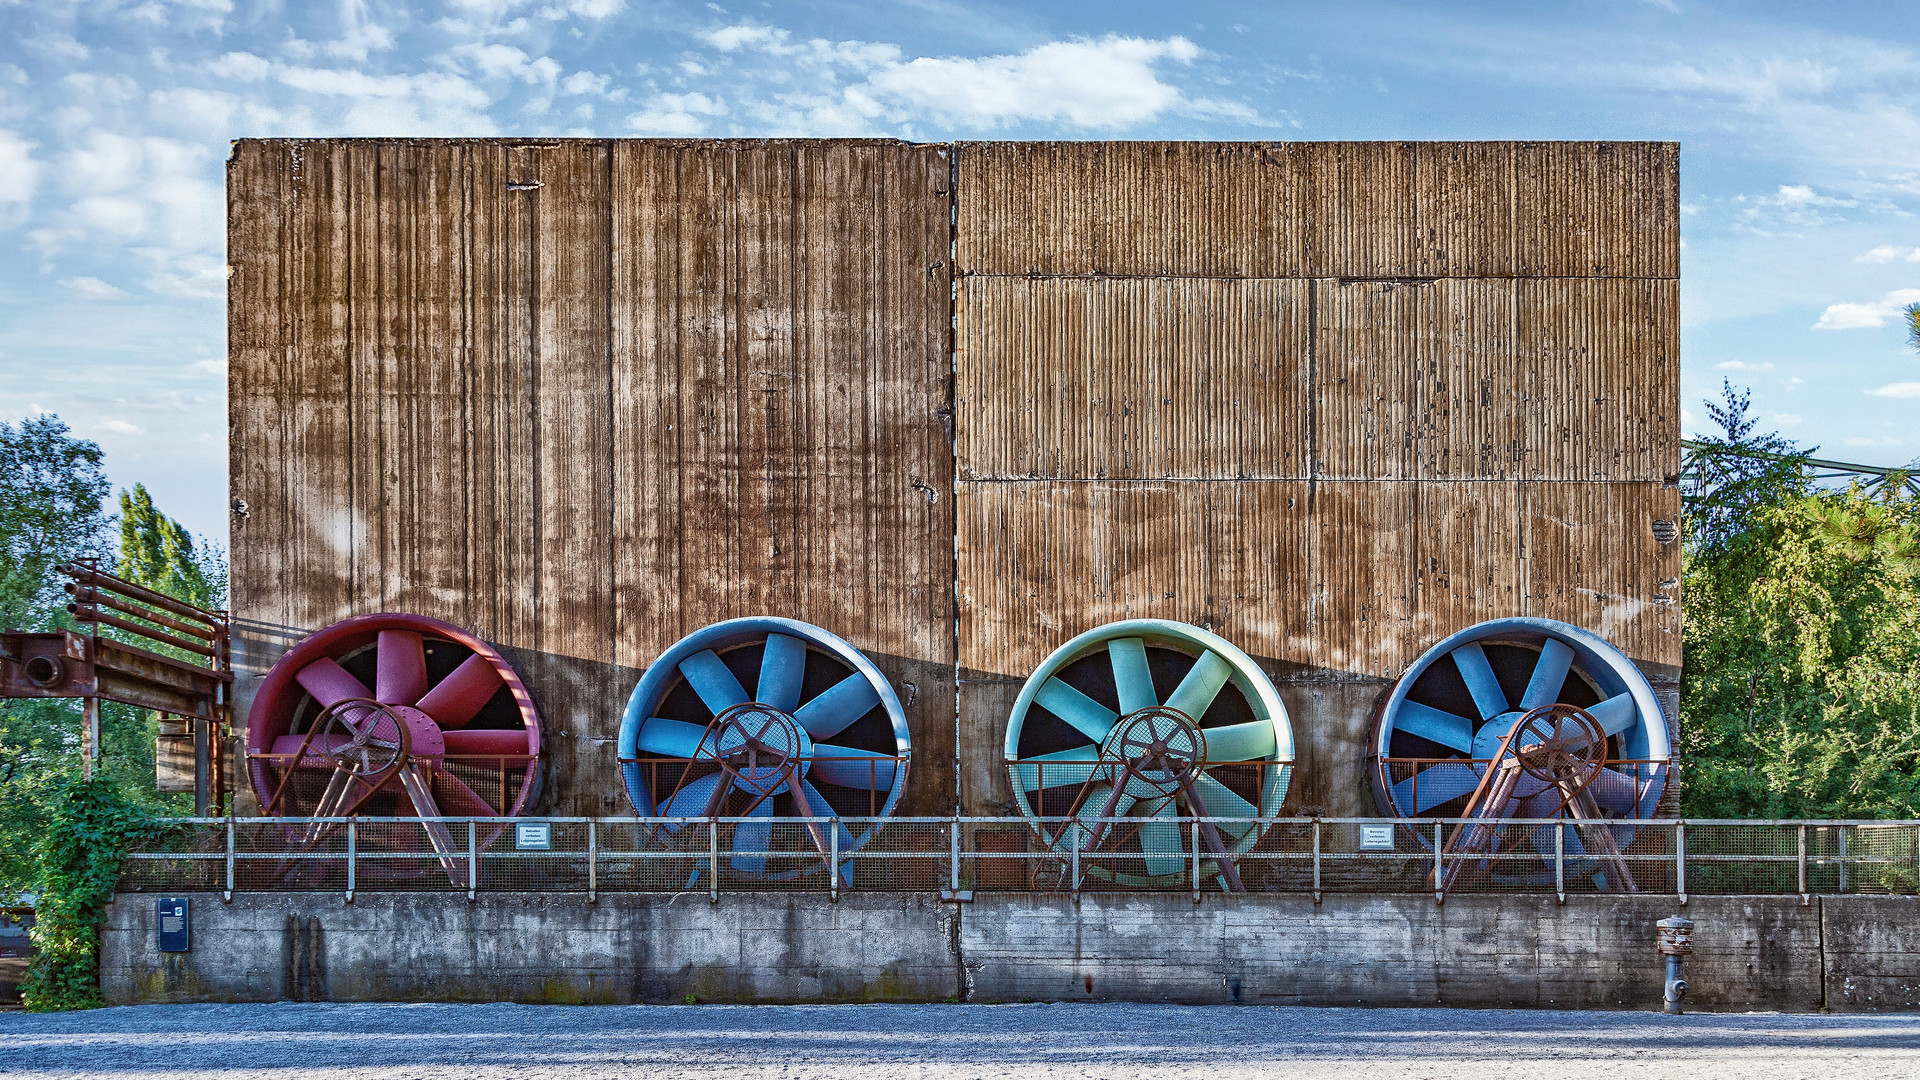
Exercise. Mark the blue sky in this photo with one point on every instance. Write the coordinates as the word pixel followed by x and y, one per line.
pixel 1799 125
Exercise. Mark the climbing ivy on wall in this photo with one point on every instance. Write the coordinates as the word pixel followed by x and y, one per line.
pixel 78 851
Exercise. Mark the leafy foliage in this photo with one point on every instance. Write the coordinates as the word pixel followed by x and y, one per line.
pixel 1800 695
pixel 78 851
pixel 158 552
pixel 62 835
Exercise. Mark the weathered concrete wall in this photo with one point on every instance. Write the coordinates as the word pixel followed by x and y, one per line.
pixel 1843 953
pixel 531 947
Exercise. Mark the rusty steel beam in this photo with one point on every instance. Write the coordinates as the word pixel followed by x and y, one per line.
pixel 88 595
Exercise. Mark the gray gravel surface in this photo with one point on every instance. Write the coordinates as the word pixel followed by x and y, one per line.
pixel 289 1041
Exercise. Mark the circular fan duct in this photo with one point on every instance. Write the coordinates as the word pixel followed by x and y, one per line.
pixel 820 735
pixel 1447 720
pixel 394 715
pixel 1156 723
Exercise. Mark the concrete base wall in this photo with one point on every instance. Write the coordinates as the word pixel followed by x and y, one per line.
pixel 1843 953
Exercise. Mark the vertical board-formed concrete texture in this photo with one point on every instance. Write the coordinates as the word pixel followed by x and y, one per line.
pixel 584 397
pixel 955 404
pixel 1331 401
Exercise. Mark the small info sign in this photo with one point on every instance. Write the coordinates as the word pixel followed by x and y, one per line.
pixel 537 836
pixel 1376 838
pixel 172 923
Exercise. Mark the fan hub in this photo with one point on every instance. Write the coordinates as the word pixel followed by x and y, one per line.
pixel 760 747
pixel 1160 747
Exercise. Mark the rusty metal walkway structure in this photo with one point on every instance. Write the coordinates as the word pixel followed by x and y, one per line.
pixel 137 647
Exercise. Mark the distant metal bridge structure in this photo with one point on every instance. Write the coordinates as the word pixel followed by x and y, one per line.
pixel 1697 468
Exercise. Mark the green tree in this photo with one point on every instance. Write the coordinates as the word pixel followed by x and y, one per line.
pixel 1800 694
pixel 52 490
pixel 158 552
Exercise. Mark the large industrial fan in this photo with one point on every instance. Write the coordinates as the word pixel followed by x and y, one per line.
pixel 821 735
pixel 1524 718
pixel 1144 730
pixel 394 715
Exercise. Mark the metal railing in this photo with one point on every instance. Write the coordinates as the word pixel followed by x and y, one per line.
pixel 958 856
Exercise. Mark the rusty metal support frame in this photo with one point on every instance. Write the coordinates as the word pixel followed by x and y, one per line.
pixel 132 668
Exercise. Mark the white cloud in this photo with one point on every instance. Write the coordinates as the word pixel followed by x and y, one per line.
pixel 19 172
pixel 861 87
pixel 1897 390
pixel 677 115
pixel 427 104
pixel 1888 441
pixel 92 288
pixel 1108 83
pixel 1887 253
pixel 585 82
pixel 1868 315
pixel 506 62
pixel 1741 365
pixel 121 427
pixel 243 66
pixel 1787 419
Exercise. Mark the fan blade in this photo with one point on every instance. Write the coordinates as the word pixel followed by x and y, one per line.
pixel 1160 840
pixel 1052 770
pixel 1435 725
pixel 1222 802
pixel 1480 679
pixel 671 738
pixel 1088 717
pixel 752 839
pixel 400 671
pixel 460 695
pixel 713 681
pixel 1241 742
pixel 848 767
pixel 1549 673
pixel 781 668
pixel 454 796
pixel 823 809
pixel 1131 676
pixel 1201 685
pixel 1616 714
pixel 838 707
pixel 1091 809
pixel 487 742
pixel 1437 784
pixel 1615 792
pixel 692 800
pixel 330 684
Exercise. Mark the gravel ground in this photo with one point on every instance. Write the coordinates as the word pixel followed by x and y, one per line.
pixel 291 1041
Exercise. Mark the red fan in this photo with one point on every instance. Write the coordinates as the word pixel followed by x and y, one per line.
pixel 393 715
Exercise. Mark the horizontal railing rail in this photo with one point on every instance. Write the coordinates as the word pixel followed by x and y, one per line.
pixel 958 856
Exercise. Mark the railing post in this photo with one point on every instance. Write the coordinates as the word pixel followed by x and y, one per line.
pixel 1680 860
pixel 1805 897
pixel 1316 860
pixel 473 861
pixel 1074 854
pixel 1439 867
pixel 1843 831
pixel 228 897
pixel 593 862
pixel 713 860
pixel 1196 860
pixel 833 859
pixel 1560 860
pixel 353 855
pixel 953 854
